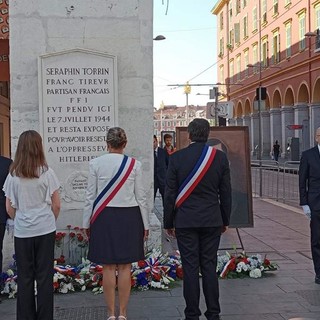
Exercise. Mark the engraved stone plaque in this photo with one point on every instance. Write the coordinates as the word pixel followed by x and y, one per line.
pixel 78 104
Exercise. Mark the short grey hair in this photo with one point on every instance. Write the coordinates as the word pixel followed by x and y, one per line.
pixel 116 137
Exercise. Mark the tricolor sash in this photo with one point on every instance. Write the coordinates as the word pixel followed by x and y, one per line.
pixel 108 193
pixel 193 179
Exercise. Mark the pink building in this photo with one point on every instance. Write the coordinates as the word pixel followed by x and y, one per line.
pixel 270 37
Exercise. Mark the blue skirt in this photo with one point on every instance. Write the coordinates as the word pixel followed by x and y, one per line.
pixel 116 236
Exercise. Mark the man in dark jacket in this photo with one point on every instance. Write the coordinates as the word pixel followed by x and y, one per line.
pixel 4 170
pixel 161 160
pixel 309 189
pixel 197 210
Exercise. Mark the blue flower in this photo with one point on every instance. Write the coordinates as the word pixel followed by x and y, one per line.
pixel 141 279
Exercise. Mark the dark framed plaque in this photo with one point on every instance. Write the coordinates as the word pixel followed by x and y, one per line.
pixel 234 141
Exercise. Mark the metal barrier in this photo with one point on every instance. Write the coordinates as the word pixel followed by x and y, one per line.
pixel 279 181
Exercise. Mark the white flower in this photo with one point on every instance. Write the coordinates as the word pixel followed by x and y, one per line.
pixel 238 268
pixel 10 273
pixel 165 280
pixel 255 273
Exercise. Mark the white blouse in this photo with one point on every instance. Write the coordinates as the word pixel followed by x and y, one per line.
pixel 131 194
pixel 32 200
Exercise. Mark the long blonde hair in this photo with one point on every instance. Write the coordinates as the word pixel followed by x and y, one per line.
pixel 29 159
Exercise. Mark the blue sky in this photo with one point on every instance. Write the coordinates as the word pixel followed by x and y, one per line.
pixel 189 49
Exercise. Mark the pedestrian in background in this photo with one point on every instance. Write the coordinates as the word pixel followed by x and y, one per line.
pixel 161 160
pixel 32 200
pixel 4 170
pixel 276 150
pixel 168 145
pixel 117 214
pixel 197 208
pixel 309 188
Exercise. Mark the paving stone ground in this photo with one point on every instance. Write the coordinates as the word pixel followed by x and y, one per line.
pixel 281 232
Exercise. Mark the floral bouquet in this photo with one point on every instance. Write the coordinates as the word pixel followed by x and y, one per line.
pixel 241 265
pixel 158 271
pixel 9 280
pixel 71 246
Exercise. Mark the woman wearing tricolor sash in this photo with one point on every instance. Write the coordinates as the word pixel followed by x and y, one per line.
pixel 116 213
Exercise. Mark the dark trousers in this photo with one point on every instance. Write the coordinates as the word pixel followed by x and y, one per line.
pixel 35 257
pixel 2 231
pixel 159 187
pixel 315 240
pixel 198 248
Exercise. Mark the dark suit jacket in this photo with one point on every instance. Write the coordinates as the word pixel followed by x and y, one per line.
pixel 209 205
pixel 4 170
pixel 309 179
pixel 160 167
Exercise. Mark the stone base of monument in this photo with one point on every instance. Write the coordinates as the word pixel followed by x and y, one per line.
pixel 8 250
pixel 155 234
pixel 72 244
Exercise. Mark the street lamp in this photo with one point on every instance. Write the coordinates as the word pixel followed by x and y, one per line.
pixel 159 37
pixel 187 91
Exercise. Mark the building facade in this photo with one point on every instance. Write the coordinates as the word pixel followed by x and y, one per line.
pixel 263 43
pixel 168 117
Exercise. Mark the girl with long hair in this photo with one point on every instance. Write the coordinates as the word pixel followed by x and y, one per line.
pixel 32 200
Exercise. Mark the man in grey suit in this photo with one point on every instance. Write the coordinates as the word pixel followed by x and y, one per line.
pixel 4 170
pixel 309 189
pixel 198 215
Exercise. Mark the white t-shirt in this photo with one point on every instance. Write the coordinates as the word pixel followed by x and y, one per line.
pixel 32 200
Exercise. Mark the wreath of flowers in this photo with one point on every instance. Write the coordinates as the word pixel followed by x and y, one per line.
pixel 158 271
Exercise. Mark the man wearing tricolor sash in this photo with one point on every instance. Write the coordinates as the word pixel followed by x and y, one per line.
pixel 197 208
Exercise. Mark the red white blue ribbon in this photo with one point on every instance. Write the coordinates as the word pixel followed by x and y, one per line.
pixel 193 179
pixel 108 193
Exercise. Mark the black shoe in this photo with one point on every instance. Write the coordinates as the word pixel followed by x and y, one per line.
pixel 317 280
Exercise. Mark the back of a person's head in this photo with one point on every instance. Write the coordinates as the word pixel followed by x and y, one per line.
pixel 116 138
pixel 198 130
pixel 29 159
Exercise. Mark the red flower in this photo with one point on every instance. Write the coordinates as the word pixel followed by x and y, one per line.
pixel 232 265
pixel 156 277
pixel 98 268
pixel 80 237
pixel 76 228
pixel 179 272
pixel 142 264
pixel 266 262
pixel 56 285
pixel 72 235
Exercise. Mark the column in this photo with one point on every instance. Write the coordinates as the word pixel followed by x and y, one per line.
pixel 286 118
pixel 239 121
pixel 301 117
pixel 254 133
pixel 275 127
pixel 265 131
pixel 246 120
pixel 314 122
pixel 232 122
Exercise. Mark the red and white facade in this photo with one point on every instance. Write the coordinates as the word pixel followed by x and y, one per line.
pixel 269 36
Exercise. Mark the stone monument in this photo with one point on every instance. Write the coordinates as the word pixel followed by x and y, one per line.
pixel 78 68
